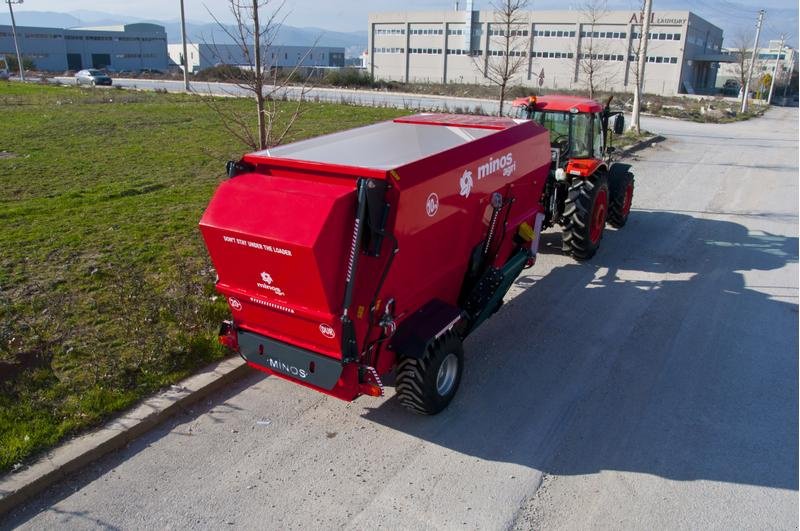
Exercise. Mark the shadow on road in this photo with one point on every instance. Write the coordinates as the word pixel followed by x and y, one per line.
pixel 644 360
pixel 654 358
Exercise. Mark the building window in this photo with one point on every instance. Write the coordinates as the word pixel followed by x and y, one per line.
pixel 551 55
pixel 390 31
pixel 427 31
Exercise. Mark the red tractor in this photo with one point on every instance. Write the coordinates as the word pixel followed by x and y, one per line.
pixel 585 188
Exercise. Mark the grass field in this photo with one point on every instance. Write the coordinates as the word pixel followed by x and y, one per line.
pixel 106 293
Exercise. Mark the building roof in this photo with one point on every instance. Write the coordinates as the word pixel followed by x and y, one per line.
pixel 139 26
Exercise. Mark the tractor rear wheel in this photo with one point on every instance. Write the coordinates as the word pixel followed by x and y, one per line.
pixel 585 213
pixel 426 385
pixel 619 206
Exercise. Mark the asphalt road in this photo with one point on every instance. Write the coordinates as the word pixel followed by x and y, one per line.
pixel 653 387
pixel 372 98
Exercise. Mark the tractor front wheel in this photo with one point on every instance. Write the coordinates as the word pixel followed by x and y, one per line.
pixel 621 188
pixel 426 385
pixel 585 213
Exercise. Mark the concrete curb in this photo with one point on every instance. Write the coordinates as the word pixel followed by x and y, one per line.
pixel 640 145
pixel 17 488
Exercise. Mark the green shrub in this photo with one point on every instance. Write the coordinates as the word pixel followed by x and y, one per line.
pixel 221 73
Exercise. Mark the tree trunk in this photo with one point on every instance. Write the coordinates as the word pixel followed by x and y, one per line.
pixel 259 80
pixel 642 60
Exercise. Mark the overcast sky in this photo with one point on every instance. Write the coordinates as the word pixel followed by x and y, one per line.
pixel 350 15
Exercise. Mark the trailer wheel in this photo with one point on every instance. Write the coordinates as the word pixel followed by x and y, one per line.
pixel 585 213
pixel 426 385
pixel 621 188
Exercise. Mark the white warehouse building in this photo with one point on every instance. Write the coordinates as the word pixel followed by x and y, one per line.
pixel 126 47
pixel 456 47
pixel 202 56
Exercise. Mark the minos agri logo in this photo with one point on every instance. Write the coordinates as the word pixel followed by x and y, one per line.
pixel 505 164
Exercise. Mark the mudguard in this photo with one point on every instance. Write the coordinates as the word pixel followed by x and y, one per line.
pixel 428 323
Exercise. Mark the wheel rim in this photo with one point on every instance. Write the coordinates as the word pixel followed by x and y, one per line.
pixel 446 376
pixel 598 215
pixel 626 206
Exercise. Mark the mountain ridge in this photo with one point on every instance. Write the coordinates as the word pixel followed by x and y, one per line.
pixel 353 42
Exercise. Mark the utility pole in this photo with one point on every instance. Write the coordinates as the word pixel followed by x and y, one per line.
pixel 637 93
pixel 185 56
pixel 752 61
pixel 14 33
pixel 775 70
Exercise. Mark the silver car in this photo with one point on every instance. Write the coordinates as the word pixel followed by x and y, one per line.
pixel 92 77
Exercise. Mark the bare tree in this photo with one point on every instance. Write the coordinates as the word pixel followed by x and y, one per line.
pixel 508 45
pixel 641 61
pixel 590 54
pixel 741 51
pixel 256 25
pixel 637 49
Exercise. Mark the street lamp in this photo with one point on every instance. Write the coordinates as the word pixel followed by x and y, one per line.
pixel 14 33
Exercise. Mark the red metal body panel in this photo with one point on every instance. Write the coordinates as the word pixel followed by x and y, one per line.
pixel 584 167
pixel 560 103
pixel 279 237
pixel 465 120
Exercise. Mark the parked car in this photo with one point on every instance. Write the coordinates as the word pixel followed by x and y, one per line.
pixel 731 87
pixel 92 77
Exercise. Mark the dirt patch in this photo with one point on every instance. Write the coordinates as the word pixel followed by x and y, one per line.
pixel 7 155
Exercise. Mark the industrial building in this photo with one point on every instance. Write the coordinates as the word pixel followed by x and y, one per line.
pixel 457 46
pixel 765 64
pixel 127 47
pixel 202 56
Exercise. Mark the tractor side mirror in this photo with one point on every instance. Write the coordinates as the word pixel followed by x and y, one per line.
pixel 619 124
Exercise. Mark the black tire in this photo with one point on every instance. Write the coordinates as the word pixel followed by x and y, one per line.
pixel 621 187
pixel 419 381
pixel 585 214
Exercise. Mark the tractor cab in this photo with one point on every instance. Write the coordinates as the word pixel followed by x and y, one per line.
pixel 578 126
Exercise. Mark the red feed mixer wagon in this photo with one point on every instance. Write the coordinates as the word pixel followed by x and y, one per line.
pixel 381 248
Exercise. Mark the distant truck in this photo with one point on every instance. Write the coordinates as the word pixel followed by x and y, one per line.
pixel 347 256
pixel 585 188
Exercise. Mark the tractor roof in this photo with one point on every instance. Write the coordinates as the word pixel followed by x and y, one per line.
pixel 561 103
